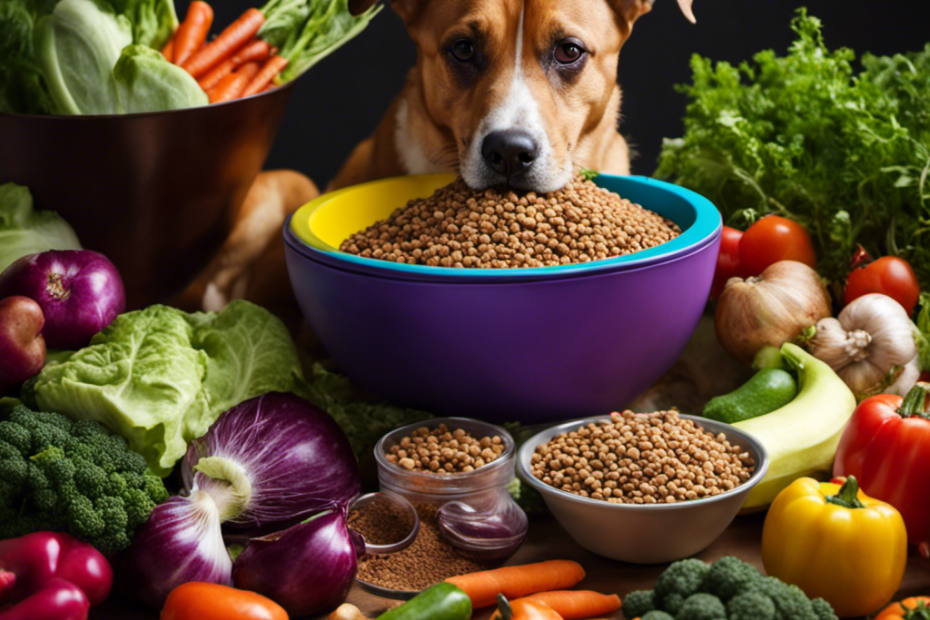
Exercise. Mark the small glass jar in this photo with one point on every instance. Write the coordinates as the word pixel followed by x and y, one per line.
pixel 477 514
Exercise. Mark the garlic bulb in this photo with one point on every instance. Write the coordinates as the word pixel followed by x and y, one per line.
pixel 869 338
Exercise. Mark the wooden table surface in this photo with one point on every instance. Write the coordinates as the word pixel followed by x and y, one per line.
pixel 547 541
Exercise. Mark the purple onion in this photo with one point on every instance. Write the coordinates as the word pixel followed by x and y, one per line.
pixel 273 460
pixel 80 292
pixel 180 542
pixel 306 569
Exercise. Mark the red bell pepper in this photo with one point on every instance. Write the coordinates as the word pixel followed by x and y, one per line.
pixel 886 446
pixel 51 576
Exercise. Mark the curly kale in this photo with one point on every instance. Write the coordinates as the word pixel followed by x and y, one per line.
pixel 679 581
pixel 638 603
pixel 58 474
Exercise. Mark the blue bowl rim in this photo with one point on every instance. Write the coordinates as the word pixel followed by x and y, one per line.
pixel 706 227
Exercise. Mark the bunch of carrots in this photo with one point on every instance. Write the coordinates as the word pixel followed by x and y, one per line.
pixel 529 592
pixel 537 591
pixel 234 64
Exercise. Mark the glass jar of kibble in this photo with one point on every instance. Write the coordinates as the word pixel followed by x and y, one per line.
pixel 462 468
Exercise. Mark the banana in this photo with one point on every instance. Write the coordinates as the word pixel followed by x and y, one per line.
pixel 801 437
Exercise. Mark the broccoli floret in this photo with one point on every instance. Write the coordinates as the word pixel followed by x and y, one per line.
pixel 790 601
pixel 701 606
pixel 657 615
pixel 750 606
pixel 728 576
pixel 679 581
pixel 823 610
pixel 57 474
pixel 638 603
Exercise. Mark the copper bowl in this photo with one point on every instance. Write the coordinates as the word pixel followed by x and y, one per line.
pixel 157 193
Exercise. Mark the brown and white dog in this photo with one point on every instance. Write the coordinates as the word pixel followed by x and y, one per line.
pixel 516 92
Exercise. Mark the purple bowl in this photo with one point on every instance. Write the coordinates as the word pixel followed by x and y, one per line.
pixel 505 349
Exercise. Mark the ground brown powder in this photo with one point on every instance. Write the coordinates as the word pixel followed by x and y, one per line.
pixel 461 227
pixel 381 522
pixel 429 560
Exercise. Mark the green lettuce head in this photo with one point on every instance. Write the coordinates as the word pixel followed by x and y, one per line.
pixel 146 82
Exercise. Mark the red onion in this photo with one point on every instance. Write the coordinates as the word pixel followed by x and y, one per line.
pixel 80 292
pixel 306 569
pixel 180 542
pixel 273 460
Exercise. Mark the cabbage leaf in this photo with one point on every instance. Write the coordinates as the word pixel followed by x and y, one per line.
pixel 146 82
pixel 24 230
pixel 160 377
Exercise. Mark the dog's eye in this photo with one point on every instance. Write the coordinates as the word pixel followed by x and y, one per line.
pixel 569 51
pixel 463 50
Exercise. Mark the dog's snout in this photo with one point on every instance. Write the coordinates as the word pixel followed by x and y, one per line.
pixel 509 152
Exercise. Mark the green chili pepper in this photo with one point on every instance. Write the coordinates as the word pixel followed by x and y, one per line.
pixel 443 601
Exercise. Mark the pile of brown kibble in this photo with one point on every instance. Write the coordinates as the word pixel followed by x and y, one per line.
pixel 461 227
pixel 642 458
pixel 442 451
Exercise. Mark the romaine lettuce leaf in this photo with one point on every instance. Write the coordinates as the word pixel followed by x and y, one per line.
pixel 160 377
pixel 26 231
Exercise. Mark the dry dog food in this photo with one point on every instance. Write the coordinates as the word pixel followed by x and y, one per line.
pixel 642 458
pixel 427 561
pixel 443 451
pixel 459 227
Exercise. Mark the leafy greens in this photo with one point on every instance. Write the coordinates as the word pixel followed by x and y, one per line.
pixel 24 230
pixel 160 377
pixel 307 31
pixel 847 154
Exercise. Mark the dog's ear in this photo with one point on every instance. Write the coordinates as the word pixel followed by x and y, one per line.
pixel 408 10
pixel 631 10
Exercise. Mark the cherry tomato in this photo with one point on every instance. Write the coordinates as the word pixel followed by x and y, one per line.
pixel 888 275
pixel 727 260
pixel 771 239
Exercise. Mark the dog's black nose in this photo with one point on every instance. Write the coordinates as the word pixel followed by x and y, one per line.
pixel 509 151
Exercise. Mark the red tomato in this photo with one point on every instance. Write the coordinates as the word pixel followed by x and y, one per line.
pixel 888 275
pixel 727 260
pixel 771 239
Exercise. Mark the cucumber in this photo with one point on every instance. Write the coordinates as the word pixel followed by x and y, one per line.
pixel 442 601
pixel 767 390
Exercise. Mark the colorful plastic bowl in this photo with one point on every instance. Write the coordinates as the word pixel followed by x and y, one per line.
pixel 536 344
pixel 645 533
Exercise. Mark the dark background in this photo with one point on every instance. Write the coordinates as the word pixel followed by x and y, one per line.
pixel 340 101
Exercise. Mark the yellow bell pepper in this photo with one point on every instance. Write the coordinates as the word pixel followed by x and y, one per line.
pixel 836 543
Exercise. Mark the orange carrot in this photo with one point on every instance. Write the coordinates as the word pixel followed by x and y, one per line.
pixel 168 50
pixel 193 30
pixel 271 68
pixel 226 44
pixel 577 604
pixel 516 581
pixel 231 86
pixel 256 49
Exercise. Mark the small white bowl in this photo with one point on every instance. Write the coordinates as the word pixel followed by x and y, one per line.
pixel 644 533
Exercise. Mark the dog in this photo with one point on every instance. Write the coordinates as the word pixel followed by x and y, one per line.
pixel 506 92
pixel 521 93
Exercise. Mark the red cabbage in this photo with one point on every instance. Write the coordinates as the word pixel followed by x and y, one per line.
pixel 306 569
pixel 274 459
